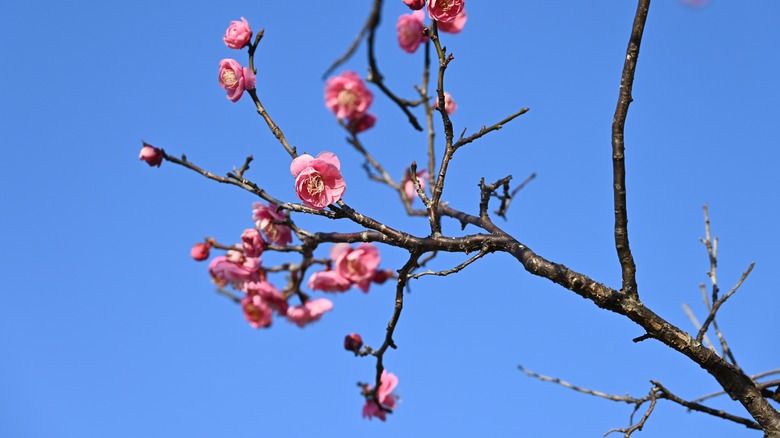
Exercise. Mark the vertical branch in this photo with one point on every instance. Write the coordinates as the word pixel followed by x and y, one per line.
pixel 627 264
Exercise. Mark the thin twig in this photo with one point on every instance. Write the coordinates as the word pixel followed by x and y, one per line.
pixel 458 268
pixel 696 324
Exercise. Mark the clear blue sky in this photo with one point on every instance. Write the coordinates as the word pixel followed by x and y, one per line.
pixel 108 328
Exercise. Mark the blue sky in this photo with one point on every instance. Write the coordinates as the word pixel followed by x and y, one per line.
pixel 108 328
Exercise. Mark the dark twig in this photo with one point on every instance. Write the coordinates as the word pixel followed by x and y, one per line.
pixel 458 268
pixel 665 393
pixel 716 305
pixel 506 200
pixel 356 43
pixel 495 127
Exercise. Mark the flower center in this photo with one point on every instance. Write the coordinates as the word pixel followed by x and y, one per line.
pixel 347 98
pixel 229 78
pixel 315 185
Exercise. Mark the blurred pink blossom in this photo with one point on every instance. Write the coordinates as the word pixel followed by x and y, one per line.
pixel 411 192
pixel 224 271
pixel 308 312
pixel 270 296
pixel 200 251
pixel 256 311
pixel 415 4
pixel 347 96
pixel 329 281
pixel 361 122
pixel 449 104
pixel 152 155
pixel 318 181
pixel 445 10
pixel 384 396
pixel 238 34
pixel 252 243
pixel 353 342
pixel 356 265
pixel 235 79
pixel 456 25
pixel 409 29
pixel 264 217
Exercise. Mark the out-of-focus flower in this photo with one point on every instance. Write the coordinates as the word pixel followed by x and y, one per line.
pixel 381 276
pixel 353 342
pixel 409 28
pixel 445 10
pixel 361 122
pixel 264 217
pixel 224 271
pixel 356 265
pixel 347 96
pixel 238 34
pixel 235 79
pixel 456 25
pixel 308 312
pixel 329 281
pixel 449 104
pixel 252 243
pixel 318 181
pixel 268 294
pixel 411 192
pixel 256 311
pixel 384 396
pixel 415 4
pixel 200 251
pixel 152 155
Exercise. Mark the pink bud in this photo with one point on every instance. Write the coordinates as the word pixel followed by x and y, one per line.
pixel 308 312
pixel 445 10
pixel 360 123
pixel 414 4
pixel 200 251
pixel 353 342
pixel 449 104
pixel 238 34
pixel 456 25
pixel 381 276
pixel 152 155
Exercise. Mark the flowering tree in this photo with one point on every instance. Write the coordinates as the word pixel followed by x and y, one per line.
pixel 330 262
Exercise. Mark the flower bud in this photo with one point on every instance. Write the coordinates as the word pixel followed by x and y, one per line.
pixel 353 342
pixel 200 251
pixel 238 34
pixel 152 155
pixel 414 4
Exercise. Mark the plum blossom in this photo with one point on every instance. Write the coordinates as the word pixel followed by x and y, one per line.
pixel 415 4
pixel 265 217
pixel 360 123
pixel 256 311
pixel 252 243
pixel 200 251
pixel 353 342
pixel 318 181
pixel 445 10
pixel 347 96
pixel 309 311
pixel 356 265
pixel 235 79
pixel 449 104
pixel 270 296
pixel 456 25
pixel 329 281
pixel 152 155
pixel 411 192
pixel 238 34
pixel 225 271
pixel 409 28
pixel 384 396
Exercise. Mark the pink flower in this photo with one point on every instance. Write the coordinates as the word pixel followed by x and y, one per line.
pixel 384 396
pixel 445 10
pixel 409 28
pixel 382 276
pixel 238 34
pixel 265 218
pixel 224 271
pixel 361 122
pixel 356 265
pixel 353 342
pixel 414 4
pixel 268 294
pixel 329 281
pixel 309 311
pixel 235 79
pixel 411 192
pixel 456 25
pixel 200 251
pixel 318 181
pixel 256 311
pixel 252 243
pixel 347 96
pixel 152 155
pixel 449 104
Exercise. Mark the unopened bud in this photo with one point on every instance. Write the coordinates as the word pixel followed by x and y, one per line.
pixel 353 342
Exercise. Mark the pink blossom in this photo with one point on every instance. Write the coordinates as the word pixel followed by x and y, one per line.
pixel 445 10
pixel 357 265
pixel 270 296
pixel 361 122
pixel 224 271
pixel 381 276
pixel 235 79
pixel 411 192
pixel 414 4
pixel 353 342
pixel 309 311
pixel 384 396
pixel 329 281
pixel 256 311
pixel 200 251
pixel 318 181
pixel 265 218
pixel 152 155
pixel 252 243
pixel 449 104
pixel 456 25
pixel 346 95
pixel 238 34
pixel 409 28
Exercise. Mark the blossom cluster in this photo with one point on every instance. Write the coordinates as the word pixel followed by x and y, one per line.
pixel 450 16
pixel 348 98
pixel 351 267
pixel 233 77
